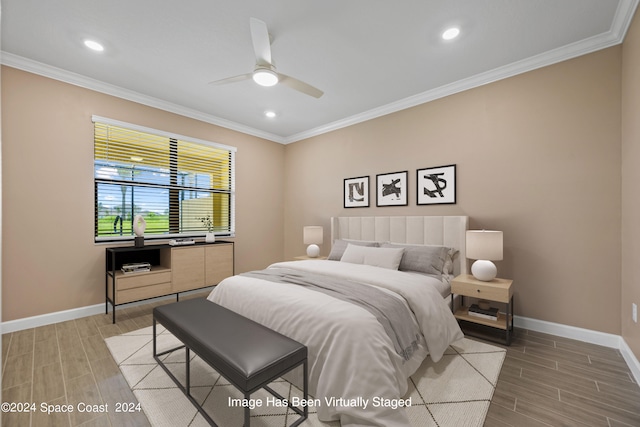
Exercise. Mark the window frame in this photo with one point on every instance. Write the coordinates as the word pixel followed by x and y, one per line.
pixel 172 137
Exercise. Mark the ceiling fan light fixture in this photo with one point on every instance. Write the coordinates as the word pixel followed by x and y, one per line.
pixel 265 77
pixel 451 33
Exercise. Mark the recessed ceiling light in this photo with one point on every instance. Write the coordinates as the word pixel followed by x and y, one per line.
pixel 451 33
pixel 270 114
pixel 93 45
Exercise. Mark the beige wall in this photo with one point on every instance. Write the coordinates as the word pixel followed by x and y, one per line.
pixel 631 183
pixel 538 156
pixel 50 262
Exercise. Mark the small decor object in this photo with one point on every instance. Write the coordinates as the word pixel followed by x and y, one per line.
pixel 139 225
pixel 484 246
pixel 356 192
pixel 391 189
pixel 436 185
pixel 210 236
pixel 312 235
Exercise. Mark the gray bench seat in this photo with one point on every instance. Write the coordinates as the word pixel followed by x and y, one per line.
pixel 246 353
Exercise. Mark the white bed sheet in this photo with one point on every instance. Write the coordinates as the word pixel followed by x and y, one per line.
pixel 350 355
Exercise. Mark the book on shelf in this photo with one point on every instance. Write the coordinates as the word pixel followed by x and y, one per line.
pixel 490 313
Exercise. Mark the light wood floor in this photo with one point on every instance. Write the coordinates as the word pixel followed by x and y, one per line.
pixel 545 380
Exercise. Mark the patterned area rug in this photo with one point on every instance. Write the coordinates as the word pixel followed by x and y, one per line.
pixel 452 393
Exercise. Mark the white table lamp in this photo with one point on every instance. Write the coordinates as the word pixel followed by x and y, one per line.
pixel 484 246
pixel 312 235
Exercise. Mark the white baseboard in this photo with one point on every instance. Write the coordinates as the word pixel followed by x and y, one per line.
pixel 566 331
pixel 585 335
pixel 50 318
pixel 75 313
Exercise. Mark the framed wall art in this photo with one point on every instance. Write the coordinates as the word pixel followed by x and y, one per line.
pixel 356 192
pixel 436 185
pixel 391 189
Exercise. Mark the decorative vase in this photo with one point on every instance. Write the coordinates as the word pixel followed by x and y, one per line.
pixel 210 237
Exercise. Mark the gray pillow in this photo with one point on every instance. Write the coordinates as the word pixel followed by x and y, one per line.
pixel 428 259
pixel 339 246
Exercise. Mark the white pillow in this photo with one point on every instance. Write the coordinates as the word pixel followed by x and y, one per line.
pixel 377 257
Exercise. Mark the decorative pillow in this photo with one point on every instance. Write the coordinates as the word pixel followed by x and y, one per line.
pixel 428 259
pixel 448 264
pixel 377 257
pixel 339 246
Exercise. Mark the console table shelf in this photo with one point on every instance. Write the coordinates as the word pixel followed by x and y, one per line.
pixel 174 269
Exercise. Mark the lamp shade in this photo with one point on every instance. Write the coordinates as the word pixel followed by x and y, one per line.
pixel 484 245
pixel 312 234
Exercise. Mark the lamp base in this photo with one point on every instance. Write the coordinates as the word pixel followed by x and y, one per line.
pixel 484 270
pixel 313 251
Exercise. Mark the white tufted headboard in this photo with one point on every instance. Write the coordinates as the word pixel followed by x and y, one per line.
pixel 420 230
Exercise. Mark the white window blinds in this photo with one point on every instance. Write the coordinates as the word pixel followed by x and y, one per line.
pixel 181 186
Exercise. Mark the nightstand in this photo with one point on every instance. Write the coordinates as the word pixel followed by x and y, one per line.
pixel 305 257
pixel 497 290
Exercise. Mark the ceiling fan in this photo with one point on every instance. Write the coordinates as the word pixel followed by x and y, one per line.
pixel 265 72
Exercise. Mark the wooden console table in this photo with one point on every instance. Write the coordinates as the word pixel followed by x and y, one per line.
pixel 174 269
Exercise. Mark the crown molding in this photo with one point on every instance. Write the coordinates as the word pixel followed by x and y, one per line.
pixel 620 24
pixel 75 79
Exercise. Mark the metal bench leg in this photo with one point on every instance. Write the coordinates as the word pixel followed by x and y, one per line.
pixel 188 372
pixel 247 411
pixel 154 337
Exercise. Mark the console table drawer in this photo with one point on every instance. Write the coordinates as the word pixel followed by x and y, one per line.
pixel 144 292
pixel 137 280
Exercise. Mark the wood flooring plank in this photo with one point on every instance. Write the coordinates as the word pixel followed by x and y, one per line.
pixel 87 327
pixel 53 419
pixel 21 343
pixel 48 383
pixel 493 422
pixel 19 393
pixel 512 418
pixel 83 390
pixel 558 354
pixel 19 370
pixel 552 418
pixel 561 380
pixel 523 387
pixel 114 389
pixel 617 378
pixel 45 332
pixel 600 407
pixel 533 359
pixel 504 399
pixel 95 347
pixel 46 352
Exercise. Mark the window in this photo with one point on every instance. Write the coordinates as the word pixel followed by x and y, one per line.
pixel 178 184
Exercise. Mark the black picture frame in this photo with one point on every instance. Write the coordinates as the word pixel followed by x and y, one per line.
pixel 436 185
pixel 391 189
pixel 356 192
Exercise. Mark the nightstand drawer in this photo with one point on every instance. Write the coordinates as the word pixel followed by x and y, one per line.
pixel 499 290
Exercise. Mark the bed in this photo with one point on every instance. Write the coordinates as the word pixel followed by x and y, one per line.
pixel 359 365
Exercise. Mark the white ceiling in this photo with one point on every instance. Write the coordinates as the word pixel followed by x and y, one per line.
pixel 370 57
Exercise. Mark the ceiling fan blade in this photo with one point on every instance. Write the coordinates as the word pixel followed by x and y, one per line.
pixel 261 41
pixel 232 79
pixel 300 86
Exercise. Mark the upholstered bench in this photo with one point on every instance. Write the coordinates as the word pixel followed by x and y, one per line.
pixel 247 354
